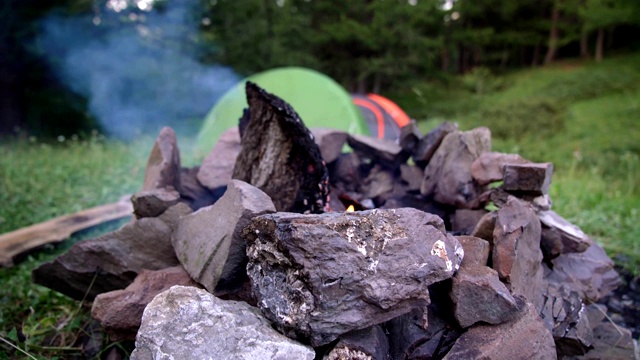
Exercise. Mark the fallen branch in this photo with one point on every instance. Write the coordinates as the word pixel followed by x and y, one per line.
pixel 58 229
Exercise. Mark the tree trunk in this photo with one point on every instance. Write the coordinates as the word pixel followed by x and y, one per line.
pixel 377 83
pixel 535 60
pixel 584 45
pixel 553 37
pixel 445 59
pixel 599 44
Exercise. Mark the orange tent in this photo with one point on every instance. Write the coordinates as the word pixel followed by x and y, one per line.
pixel 383 116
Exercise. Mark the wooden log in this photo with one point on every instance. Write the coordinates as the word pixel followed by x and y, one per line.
pixel 58 229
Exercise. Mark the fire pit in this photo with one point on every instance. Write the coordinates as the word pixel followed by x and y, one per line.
pixel 254 254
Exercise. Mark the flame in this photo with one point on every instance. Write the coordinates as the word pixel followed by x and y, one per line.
pixel 351 208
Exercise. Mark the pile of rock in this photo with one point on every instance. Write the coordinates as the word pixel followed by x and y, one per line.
pixel 252 254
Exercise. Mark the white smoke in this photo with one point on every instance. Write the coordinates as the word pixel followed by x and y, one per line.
pixel 136 66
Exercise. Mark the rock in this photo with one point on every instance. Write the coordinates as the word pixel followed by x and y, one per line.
pixel 217 167
pixel 380 181
pixel 611 342
pixel 163 165
pixel 448 175
pixel 345 172
pixel 565 315
pixel 412 175
pixel 208 242
pixel 476 250
pixel 525 337
pixel 191 191
pixel 489 167
pixel 561 236
pixel 421 334
pixel 479 296
pixel 427 146
pixel 589 273
pixel 384 152
pixel 330 142
pixel 417 202
pixel 485 227
pixel 120 311
pixel 111 262
pixel 367 344
pixel 152 203
pixel 530 178
pixel 410 135
pixel 279 155
pixel 189 323
pixel 320 276
pixel 516 252
pixel 464 221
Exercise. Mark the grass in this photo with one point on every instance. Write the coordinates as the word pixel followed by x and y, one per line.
pixel 39 181
pixel 590 114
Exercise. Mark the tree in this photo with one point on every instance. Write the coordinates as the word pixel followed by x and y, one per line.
pixel 603 15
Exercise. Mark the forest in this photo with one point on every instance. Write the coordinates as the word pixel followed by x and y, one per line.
pixel 365 45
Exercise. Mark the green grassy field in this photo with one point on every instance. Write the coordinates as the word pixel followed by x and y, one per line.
pixel 583 117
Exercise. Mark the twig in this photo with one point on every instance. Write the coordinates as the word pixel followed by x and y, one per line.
pixel 17 348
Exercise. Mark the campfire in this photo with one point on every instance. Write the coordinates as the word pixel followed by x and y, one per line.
pixel 282 246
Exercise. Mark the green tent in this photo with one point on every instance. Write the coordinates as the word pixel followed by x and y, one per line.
pixel 318 99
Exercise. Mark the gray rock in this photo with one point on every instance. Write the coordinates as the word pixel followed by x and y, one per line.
pixel 384 152
pixel 611 342
pixel 330 142
pixel 217 167
pixel 152 203
pixel 530 178
pixel 489 167
pixel 208 242
pixel 279 155
pixel 561 236
pixel 163 165
pixel 516 252
pixel 366 344
pixel 479 296
pixel 412 175
pixel 476 250
pixel 485 227
pixel 379 182
pixel 427 146
pixel 120 311
pixel 565 315
pixel 464 221
pixel 589 273
pixel 421 334
pixel 319 276
pixel 192 191
pixel 112 261
pixel 189 323
pixel 410 135
pixel 525 337
pixel 448 176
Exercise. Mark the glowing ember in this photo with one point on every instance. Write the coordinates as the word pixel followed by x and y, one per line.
pixel 351 208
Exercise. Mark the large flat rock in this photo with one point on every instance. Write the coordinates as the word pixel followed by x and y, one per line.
pixel 208 242
pixel 112 261
pixel 319 276
pixel 525 337
pixel 190 323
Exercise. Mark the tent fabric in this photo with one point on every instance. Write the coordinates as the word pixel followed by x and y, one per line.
pixel 318 99
pixel 382 115
pixel 380 123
